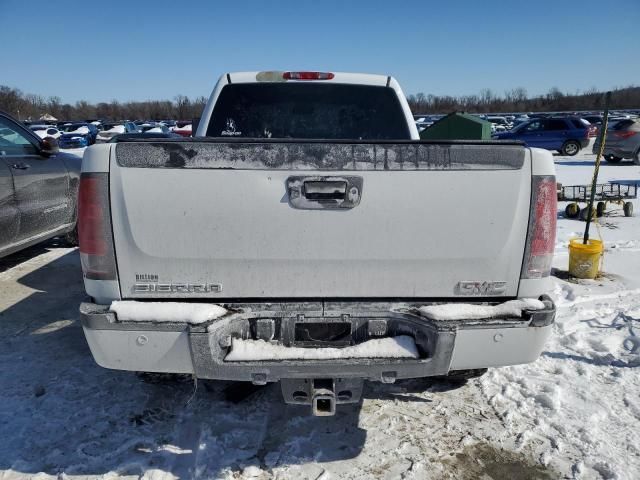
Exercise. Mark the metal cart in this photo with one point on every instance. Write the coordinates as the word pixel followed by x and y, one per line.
pixel 606 193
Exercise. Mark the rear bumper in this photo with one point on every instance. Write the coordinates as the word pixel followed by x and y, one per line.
pixel 201 349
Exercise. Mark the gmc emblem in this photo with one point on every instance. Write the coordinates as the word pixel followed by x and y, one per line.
pixel 480 288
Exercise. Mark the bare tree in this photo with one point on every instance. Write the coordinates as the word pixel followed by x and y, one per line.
pixel 28 106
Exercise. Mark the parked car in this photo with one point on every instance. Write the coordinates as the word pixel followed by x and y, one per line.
pixel 500 124
pixel 45 131
pixel 68 141
pixel 567 135
pixel 622 141
pixel 110 130
pixel 282 239
pixel 38 188
pixel 183 131
pixel 159 128
pixel 74 140
pixel 143 127
pixel 614 119
pixel 87 130
pixel 593 119
pixel 142 136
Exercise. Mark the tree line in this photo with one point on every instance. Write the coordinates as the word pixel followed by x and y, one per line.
pixel 32 107
pixel 517 100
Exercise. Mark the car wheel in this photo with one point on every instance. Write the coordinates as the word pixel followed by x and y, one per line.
pixel 572 210
pixel 600 208
pixel 636 158
pixel 627 208
pixel 570 148
pixel 154 378
pixel 612 158
pixel 71 238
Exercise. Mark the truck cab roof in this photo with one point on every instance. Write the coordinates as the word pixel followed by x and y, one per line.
pixel 367 107
pixel 325 77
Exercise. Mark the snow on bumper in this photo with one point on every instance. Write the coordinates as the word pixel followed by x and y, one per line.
pixel 201 349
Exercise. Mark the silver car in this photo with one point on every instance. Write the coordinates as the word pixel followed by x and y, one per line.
pixel 622 141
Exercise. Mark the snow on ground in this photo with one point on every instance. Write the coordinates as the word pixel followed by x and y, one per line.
pixel 575 413
pixel 578 406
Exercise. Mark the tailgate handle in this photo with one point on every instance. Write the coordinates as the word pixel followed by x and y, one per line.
pixel 324 192
pixel 330 190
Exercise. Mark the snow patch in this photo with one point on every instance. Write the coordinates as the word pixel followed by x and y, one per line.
pixel 80 130
pixel 402 346
pixel 252 471
pixel 160 312
pixel 468 311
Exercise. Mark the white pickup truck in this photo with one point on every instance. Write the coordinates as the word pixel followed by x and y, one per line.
pixel 306 235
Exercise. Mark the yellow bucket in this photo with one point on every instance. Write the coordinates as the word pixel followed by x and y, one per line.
pixel 584 260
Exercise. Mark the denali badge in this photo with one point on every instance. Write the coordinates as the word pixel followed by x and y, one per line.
pixel 177 288
pixel 146 277
pixel 480 288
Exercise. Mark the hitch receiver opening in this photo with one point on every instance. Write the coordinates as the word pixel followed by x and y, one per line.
pixel 323 402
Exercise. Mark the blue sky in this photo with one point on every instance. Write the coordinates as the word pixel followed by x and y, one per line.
pixel 138 50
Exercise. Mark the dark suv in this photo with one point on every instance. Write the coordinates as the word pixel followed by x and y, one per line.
pixel 567 135
pixel 38 188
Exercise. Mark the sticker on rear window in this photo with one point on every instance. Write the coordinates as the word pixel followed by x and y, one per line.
pixel 230 129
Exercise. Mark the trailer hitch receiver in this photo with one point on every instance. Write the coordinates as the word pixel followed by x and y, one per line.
pixel 323 400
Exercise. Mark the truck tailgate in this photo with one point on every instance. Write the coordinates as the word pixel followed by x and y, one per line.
pixel 306 219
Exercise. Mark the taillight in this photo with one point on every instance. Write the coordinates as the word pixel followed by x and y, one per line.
pixel 94 227
pixel 307 75
pixel 541 237
pixel 627 134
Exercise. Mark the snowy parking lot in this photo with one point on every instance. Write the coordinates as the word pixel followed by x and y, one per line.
pixel 574 413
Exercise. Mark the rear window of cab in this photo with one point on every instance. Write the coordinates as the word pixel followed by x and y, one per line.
pixel 308 110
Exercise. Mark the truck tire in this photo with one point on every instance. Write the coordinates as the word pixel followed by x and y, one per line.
pixel 600 208
pixel 71 238
pixel 464 375
pixel 612 158
pixel 572 210
pixel 570 148
pixel 627 208
pixel 154 378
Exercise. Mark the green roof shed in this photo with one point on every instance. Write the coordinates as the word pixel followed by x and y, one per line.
pixel 458 126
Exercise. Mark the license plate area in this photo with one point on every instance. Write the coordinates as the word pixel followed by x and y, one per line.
pixel 318 332
pixel 314 333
